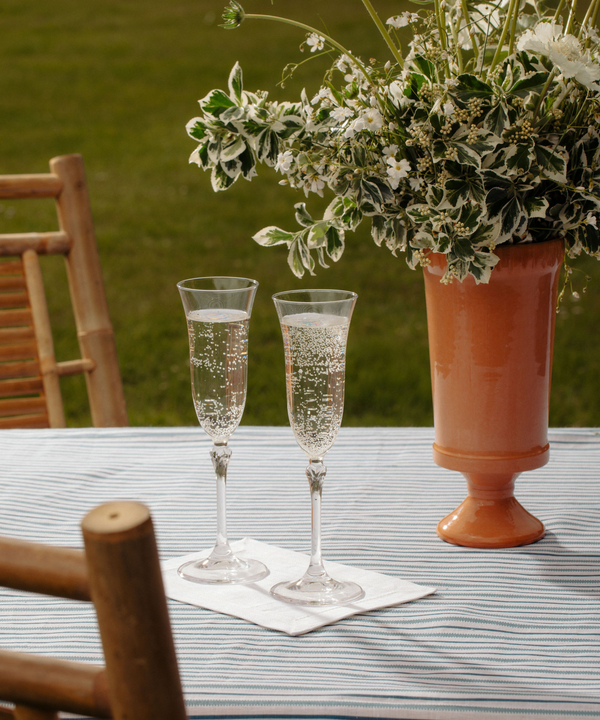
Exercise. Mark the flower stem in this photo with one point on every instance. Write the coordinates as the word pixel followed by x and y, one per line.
pixel 544 93
pixel 571 18
pixel 384 33
pixel 507 24
pixel 513 29
pixel 559 9
pixel 441 26
pixel 465 9
pixel 308 28
pixel 589 20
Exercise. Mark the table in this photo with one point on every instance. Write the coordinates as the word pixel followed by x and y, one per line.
pixel 508 634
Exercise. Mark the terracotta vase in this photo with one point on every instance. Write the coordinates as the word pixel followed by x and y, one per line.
pixel 490 350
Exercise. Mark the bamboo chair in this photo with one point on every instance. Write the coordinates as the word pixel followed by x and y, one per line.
pixel 30 393
pixel 120 572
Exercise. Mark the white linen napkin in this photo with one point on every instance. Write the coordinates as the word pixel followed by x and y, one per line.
pixel 254 603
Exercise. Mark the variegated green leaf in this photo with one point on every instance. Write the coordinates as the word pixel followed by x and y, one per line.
pixel 232 115
pixel 316 235
pixel 419 214
pixel 216 102
pixel 295 260
pixel 335 242
pixel 496 120
pixel 470 86
pixel 305 255
pixel 273 235
pixel 302 215
pixel 535 207
pixel 232 168
pixel 552 165
pixel 519 157
pixel 235 83
pixel 531 83
pixel 512 217
pixel 196 129
pixel 231 151
pixel 220 180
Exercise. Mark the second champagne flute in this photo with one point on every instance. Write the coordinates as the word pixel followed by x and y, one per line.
pixel 217 311
pixel 314 324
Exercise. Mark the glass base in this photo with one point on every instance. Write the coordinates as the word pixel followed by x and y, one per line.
pixel 320 590
pixel 229 569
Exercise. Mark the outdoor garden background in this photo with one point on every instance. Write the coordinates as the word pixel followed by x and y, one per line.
pixel 116 81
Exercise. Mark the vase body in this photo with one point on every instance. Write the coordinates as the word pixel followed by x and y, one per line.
pixel 490 349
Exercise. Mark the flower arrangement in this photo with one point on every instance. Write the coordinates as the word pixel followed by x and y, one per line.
pixel 486 131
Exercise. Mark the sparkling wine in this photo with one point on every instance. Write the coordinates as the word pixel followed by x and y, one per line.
pixel 315 355
pixel 219 368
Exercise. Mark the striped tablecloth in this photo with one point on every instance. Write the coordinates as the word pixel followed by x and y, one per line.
pixel 509 633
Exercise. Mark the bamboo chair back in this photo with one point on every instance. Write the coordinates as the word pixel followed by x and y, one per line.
pixel 120 572
pixel 30 393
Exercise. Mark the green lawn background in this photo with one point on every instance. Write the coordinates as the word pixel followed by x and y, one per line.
pixel 117 80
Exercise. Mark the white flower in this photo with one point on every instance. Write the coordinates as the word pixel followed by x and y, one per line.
pixel 341 113
pixel 390 150
pixel 284 161
pixel 323 94
pixel 402 20
pixel 314 184
pixel 449 109
pixel 564 51
pixel 354 127
pixel 397 93
pixel 315 42
pixel 397 170
pixel 416 183
pixel 372 120
pixel 591 220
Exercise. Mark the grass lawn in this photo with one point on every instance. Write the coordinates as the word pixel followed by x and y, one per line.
pixel 117 81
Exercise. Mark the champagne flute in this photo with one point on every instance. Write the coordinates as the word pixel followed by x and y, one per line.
pixel 217 311
pixel 314 324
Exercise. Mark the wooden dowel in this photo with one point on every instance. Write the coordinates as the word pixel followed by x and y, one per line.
pixel 11 267
pixel 13 388
pixel 74 367
pixel 48 243
pixel 14 300
pixel 22 369
pixel 21 406
pixel 15 334
pixel 34 567
pixel 14 318
pixel 127 589
pixel 18 351
pixel 50 683
pixel 44 341
pixel 11 282
pixel 25 421
pixel 23 712
pixel 34 185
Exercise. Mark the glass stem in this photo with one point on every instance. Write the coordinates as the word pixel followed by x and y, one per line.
pixel 315 473
pixel 220 455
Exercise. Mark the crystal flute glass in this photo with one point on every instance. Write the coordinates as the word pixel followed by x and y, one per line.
pixel 217 311
pixel 314 325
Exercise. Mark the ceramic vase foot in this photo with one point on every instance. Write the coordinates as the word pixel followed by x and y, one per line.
pixel 490 517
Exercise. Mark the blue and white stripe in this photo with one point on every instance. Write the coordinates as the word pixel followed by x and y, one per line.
pixel 509 633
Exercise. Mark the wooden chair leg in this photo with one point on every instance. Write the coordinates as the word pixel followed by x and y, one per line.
pixel 92 319
pixel 127 590
pixel 23 712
